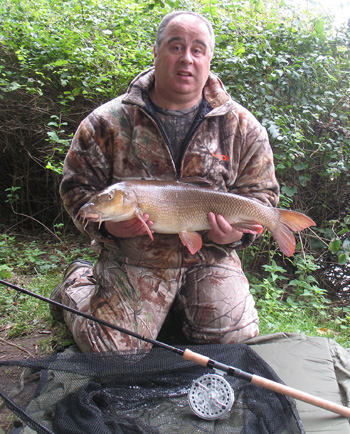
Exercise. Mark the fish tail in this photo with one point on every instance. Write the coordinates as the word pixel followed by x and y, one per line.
pixel 289 222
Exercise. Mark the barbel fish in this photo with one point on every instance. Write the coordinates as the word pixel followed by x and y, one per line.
pixel 182 208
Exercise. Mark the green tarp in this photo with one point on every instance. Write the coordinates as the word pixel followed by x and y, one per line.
pixel 314 365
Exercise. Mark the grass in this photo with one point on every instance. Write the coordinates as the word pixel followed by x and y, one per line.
pixel 37 266
pixel 306 310
pixel 304 323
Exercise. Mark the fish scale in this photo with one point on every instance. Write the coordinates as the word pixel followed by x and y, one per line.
pixel 187 208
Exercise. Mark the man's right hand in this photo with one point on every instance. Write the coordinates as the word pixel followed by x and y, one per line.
pixel 129 228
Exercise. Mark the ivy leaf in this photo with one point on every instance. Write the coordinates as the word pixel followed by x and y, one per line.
pixel 300 166
pixel 289 191
pixel 343 259
pixel 334 245
pixel 304 179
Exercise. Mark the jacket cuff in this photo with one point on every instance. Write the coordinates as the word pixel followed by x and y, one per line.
pixel 247 240
pixel 103 231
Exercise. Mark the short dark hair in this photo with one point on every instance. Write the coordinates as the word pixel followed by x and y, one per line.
pixel 167 18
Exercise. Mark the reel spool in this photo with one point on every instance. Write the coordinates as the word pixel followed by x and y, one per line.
pixel 211 396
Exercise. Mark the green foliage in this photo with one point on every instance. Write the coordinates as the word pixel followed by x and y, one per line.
pixel 300 292
pixel 54 160
pixel 298 304
pixel 34 257
pixel 338 237
pixel 12 194
pixel 38 268
pixel 79 48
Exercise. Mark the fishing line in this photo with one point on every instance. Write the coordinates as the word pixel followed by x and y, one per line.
pixel 214 390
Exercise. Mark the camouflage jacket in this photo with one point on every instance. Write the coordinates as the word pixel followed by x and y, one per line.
pixel 123 139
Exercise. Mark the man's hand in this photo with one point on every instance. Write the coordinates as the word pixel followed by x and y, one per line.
pixel 222 232
pixel 129 228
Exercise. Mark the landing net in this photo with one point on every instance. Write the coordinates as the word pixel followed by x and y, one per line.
pixel 121 393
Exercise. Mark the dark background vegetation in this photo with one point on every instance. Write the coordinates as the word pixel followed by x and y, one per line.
pixel 291 68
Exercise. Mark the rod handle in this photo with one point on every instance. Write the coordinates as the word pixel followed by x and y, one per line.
pixel 195 357
pixel 301 396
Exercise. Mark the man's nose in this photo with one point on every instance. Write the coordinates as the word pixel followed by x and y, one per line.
pixel 186 56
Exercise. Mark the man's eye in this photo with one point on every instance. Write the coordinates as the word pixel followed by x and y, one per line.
pixel 198 51
pixel 176 48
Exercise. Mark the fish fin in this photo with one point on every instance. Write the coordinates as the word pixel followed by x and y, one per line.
pixel 248 227
pixel 139 215
pixel 192 240
pixel 289 222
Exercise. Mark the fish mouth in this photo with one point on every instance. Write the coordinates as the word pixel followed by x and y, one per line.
pixel 90 216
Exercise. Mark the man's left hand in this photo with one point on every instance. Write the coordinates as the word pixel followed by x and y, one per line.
pixel 222 232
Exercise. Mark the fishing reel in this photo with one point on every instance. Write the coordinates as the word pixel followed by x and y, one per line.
pixel 211 396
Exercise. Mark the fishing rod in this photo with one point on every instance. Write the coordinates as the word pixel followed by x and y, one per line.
pixel 206 362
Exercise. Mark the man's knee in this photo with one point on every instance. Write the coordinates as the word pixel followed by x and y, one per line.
pixel 228 335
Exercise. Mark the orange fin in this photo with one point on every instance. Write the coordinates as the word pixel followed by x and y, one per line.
pixel 248 227
pixel 140 217
pixel 192 240
pixel 289 222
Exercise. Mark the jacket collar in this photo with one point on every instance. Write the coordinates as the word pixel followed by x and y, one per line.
pixel 214 92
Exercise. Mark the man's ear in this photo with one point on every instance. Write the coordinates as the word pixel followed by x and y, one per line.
pixel 154 51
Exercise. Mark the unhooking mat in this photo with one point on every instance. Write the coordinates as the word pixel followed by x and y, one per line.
pixel 315 365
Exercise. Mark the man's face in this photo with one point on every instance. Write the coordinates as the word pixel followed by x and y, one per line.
pixel 182 62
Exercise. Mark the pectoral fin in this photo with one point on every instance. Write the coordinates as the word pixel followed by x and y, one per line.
pixel 192 240
pixel 139 215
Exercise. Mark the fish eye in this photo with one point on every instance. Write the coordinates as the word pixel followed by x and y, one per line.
pixel 110 196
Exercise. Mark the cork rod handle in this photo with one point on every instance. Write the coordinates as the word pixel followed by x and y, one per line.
pixel 301 396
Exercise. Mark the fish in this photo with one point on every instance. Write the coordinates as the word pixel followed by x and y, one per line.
pixel 182 208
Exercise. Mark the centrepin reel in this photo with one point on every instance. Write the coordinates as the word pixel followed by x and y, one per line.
pixel 211 396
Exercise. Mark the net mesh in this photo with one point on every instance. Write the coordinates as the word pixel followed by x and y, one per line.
pixel 114 393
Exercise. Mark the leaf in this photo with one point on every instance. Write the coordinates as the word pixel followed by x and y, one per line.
pixel 300 166
pixel 324 331
pixel 53 136
pixel 289 191
pixel 343 259
pixel 334 245
pixel 60 62
pixel 304 179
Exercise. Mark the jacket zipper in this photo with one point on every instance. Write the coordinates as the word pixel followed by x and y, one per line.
pixel 203 110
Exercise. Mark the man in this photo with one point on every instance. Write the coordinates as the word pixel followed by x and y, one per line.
pixel 175 121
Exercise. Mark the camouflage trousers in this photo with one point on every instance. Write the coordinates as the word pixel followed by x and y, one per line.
pixel 213 302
